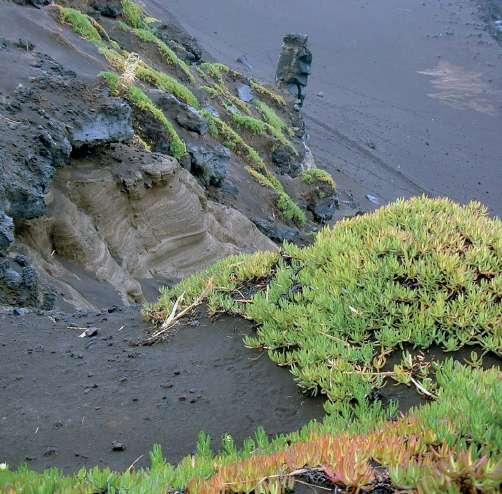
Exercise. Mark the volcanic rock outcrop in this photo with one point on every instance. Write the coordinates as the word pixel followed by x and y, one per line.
pixel 128 155
pixel 72 195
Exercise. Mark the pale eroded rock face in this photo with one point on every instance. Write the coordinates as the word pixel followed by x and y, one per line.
pixel 137 215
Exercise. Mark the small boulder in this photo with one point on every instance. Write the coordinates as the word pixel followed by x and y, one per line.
pixel 191 119
pixel 35 3
pixel 212 111
pixel 324 209
pixel 285 160
pixel 6 230
pixel 244 61
pixel 12 279
pixel 245 93
pixel 184 115
pixel 18 286
pixel 277 232
pixel 111 123
pixel 108 8
pixel 374 199
pixel 209 163
pixel 118 446
pixel 50 451
pixel 20 311
pixel 160 170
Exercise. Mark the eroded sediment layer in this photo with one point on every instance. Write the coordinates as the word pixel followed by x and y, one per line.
pixel 136 215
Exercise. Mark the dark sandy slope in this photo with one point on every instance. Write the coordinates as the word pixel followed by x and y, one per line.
pixel 412 89
pixel 65 399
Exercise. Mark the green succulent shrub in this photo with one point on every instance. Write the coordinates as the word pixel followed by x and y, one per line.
pixel 421 272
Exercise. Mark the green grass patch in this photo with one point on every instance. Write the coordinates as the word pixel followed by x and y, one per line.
pixel 251 124
pixel 167 83
pixel 151 76
pixel 314 176
pixel 134 14
pixel 143 103
pixel 219 90
pixel 215 70
pixel 81 23
pixel 271 117
pixel 288 208
pixel 114 57
pixel 232 140
pixel 269 94
pixel 258 127
pixel 167 52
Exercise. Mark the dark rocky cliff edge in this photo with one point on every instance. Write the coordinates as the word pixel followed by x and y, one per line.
pixel 94 183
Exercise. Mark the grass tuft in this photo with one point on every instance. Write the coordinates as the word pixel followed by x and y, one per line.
pixel 314 176
pixel 271 117
pixel 233 141
pixel 168 54
pixel 81 23
pixel 289 209
pixel 134 14
pixel 143 103
pixel 167 83
pixel 215 70
pixel 251 124
pixel 272 96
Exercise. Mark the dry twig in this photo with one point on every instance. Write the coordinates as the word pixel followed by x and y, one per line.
pixel 173 317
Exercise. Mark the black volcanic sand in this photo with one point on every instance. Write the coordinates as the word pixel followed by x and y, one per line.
pixel 64 400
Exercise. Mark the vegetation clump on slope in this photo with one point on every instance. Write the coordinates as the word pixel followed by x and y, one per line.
pixel 272 96
pixel 164 81
pixel 251 124
pixel 134 14
pixel 82 24
pixel 314 176
pixel 421 272
pixel 215 70
pixel 170 57
pixel 143 103
pixel 289 209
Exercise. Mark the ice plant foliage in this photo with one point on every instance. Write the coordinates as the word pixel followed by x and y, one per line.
pixel 419 272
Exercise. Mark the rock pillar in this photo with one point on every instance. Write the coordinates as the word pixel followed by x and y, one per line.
pixel 294 66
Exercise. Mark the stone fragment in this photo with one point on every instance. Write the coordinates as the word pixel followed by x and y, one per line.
pixel 111 123
pixel 245 93
pixel 209 163
pixel 294 66
pixel 277 232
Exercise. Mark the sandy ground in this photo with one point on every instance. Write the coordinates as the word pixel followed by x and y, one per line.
pixel 411 90
pixel 65 399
